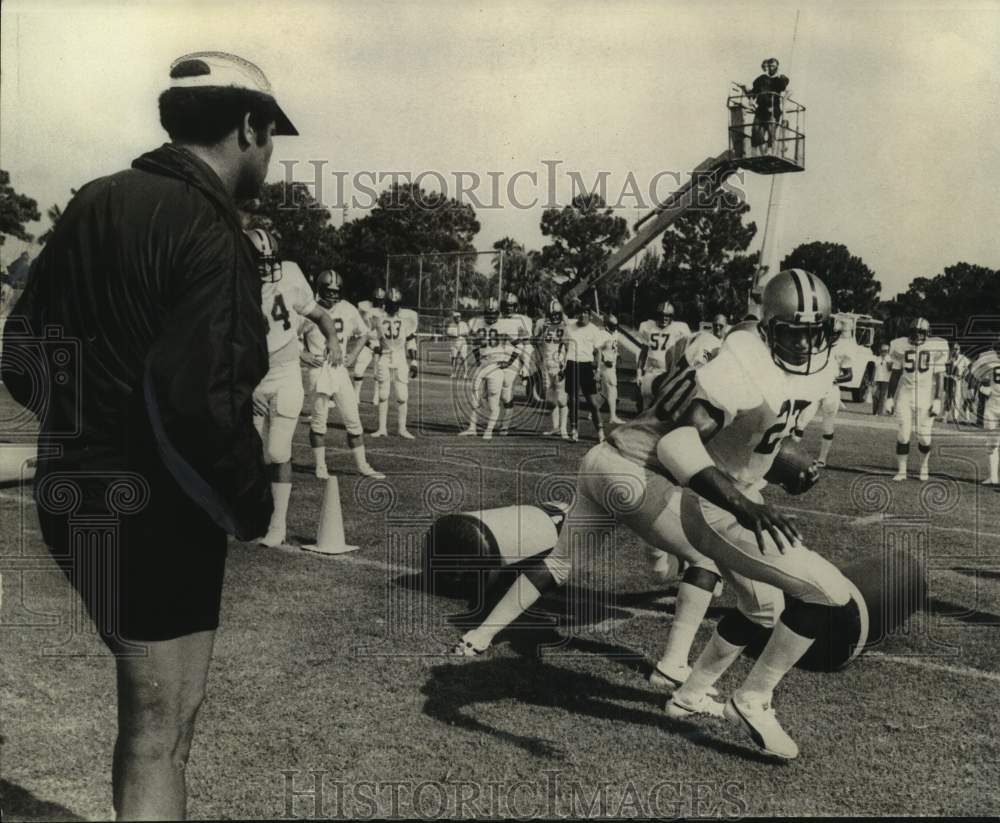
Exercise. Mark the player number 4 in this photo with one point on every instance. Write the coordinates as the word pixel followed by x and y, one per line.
pixel 280 313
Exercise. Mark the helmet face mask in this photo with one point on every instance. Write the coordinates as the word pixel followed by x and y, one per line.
pixel 265 246
pixel 491 310
pixel 919 330
pixel 393 300
pixel 510 304
pixel 555 311
pixel 664 315
pixel 796 322
pixel 328 288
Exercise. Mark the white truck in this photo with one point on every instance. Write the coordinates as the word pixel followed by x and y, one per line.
pixel 860 330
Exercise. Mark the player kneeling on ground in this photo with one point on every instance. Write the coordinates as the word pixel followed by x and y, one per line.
pixel 916 389
pixel 397 361
pixel 328 383
pixel 286 297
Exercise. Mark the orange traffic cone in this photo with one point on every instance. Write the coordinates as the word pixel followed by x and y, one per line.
pixel 331 525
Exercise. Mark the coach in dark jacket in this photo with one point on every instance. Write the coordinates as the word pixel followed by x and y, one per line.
pixel 138 342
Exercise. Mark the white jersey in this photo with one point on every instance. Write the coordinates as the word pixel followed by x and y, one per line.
pixel 457 331
pixel 758 404
pixel 494 341
pixel 347 321
pixel 918 364
pixel 285 304
pixel 583 341
pixel 985 372
pixel 658 341
pixel 614 342
pixel 396 333
pixel 550 340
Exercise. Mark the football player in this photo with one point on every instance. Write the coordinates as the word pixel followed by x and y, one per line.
pixel 397 360
pixel 327 383
pixel 550 334
pixel 830 404
pixel 277 401
pixel 583 339
pixel 521 340
pixel 688 474
pixel 916 390
pixel 657 335
pixel 987 377
pixel 371 312
pixel 458 331
pixel 608 352
pixel 494 354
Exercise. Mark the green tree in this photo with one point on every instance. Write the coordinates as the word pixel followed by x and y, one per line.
pixel 15 210
pixel 405 220
pixel 301 224
pixel 582 235
pixel 852 284
pixel 704 269
pixel 524 275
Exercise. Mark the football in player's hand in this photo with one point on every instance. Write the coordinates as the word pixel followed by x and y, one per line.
pixel 793 468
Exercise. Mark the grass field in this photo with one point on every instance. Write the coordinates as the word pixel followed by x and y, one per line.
pixel 338 666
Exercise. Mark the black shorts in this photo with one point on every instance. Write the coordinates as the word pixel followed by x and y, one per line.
pixel 152 574
pixel 582 377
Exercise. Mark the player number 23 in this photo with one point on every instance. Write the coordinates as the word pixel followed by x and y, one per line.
pixel 787 415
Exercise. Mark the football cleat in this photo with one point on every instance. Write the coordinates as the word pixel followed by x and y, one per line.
pixel 924 476
pixel 600 435
pixel 673 677
pixel 275 537
pixel 380 433
pixel 405 434
pixel 682 707
pixel 322 473
pixel 760 722
pixel 796 322
pixel 900 476
pixel 574 436
pixel 265 245
pixel 464 648
pixel 369 471
pixel 469 432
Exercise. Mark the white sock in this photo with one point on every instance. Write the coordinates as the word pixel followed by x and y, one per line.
pixel 925 460
pixel 689 612
pixel 613 401
pixel 319 456
pixel 783 650
pixel 717 656
pixel 383 415
pixel 520 597
pixel 994 464
pixel 280 492
pixel 402 409
pixel 563 418
pixel 360 459
pixel 901 460
pixel 824 449
pixel 555 418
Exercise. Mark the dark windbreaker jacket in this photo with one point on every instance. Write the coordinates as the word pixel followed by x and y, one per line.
pixel 140 338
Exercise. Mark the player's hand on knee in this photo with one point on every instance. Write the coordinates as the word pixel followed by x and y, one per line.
pixel 761 519
pixel 335 357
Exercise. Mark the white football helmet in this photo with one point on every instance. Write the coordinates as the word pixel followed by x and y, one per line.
pixel 265 245
pixel 796 322
pixel 393 300
pixel 555 311
pixel 378 298
pixel 920 328
pixel 664 314
pixel 329 285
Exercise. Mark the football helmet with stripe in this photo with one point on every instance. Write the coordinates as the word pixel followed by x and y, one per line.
pixel 265 245
pixel 796 321
pixel 329 285
pixel 919 330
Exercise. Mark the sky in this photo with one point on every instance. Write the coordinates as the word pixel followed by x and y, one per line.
pixel 901 98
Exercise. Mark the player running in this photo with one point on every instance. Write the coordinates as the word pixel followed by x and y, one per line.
pixel 657 335
pixel 521 340
pixel 550 335
pixel 916 388
pixel 326 383
pixel 371 312
pixel 493 353
pixel 830 404
pixel 397 360
pixel 458 332
pixel 687 476
pixel 286 298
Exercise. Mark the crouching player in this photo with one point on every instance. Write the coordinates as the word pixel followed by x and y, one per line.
pixel 707 444
pixel 327 383
pixel 286 297
pixel 916 390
